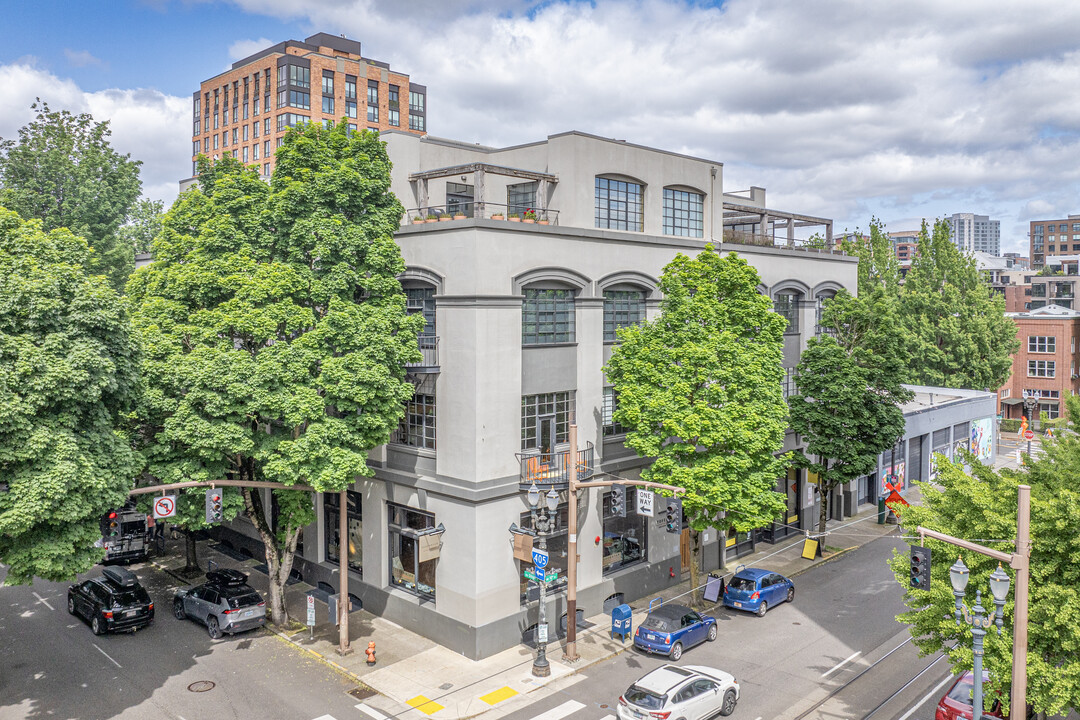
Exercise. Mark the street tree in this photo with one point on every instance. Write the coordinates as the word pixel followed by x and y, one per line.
pixel 955 325
pixel 64 172
pixel 849 390
pixel 981 505
pixel 143 224
pixel 699 391
pixel 275 330
pixel 68 380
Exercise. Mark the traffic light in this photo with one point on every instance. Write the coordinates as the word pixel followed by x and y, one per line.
pixel 213 506
pixel 920 567
pixel 110 525
pixel 674 515
pixel 618 500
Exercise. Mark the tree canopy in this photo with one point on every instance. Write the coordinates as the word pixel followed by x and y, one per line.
pixel 275 329
pixel 143 225
pixel 68 380
pixel 699 390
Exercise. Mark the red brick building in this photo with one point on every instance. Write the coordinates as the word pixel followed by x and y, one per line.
pixel 245 111
pixel 1045 367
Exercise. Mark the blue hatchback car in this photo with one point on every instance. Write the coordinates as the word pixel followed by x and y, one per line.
pixel 756 590
pixel 670 629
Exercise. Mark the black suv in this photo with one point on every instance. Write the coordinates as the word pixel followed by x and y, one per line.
pixel 114 601
pixel 225 603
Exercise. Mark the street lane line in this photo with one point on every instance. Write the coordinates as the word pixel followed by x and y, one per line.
pixel 558 713
pixel 107 655
pixel 841 664
pixel 371 712
pixel 44 601
pixel 928 696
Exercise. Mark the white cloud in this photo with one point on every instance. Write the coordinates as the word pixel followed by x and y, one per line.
pixel 243 48
pixel 82 58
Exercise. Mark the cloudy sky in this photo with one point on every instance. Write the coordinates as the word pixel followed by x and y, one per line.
pixel 900 110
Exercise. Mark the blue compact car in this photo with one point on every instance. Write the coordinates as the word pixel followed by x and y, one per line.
pixel 670 629
pixel 756 590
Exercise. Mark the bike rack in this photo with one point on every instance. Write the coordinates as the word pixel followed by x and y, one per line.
pixel 654 601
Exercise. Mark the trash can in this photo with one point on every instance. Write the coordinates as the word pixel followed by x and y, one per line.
pixel 881 511
pixel 621 621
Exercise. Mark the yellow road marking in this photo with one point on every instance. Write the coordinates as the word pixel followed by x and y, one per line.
pixel 428 707
pixel 497 696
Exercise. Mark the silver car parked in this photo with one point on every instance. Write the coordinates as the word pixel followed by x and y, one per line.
pixel 225 603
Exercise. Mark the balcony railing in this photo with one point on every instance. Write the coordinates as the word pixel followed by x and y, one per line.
pixel 552 470
pixel 487 210
pixel 429 348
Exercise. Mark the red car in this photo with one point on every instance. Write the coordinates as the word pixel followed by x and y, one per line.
pixel 957 703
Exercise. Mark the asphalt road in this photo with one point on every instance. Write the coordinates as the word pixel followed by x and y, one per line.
pixel 827 655
pixel 53 666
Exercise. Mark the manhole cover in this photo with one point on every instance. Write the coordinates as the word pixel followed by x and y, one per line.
pixel 200 686
pixel 603 707
pixel 362 692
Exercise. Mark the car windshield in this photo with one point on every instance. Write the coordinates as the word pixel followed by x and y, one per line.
pixel 961 692
pixel 741 583
pixel 644 698
pixel 658 623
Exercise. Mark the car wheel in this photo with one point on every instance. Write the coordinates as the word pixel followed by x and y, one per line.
pixel 762 609
pixel 791 595
pixel 729 703
pixel 96 626
pixel 178 610
pixel 712 632
pixel 676 651
pixel 71 605
pixel 212 627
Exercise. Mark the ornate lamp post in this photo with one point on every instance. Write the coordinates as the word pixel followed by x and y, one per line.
pixel 543 523
pixel 978 620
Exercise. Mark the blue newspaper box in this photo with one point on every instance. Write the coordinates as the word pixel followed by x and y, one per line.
pixel 621 621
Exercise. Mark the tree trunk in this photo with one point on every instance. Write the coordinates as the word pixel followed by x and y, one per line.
pixel 192 565
pixel 823 493
pixel 279 560
pixel 695 565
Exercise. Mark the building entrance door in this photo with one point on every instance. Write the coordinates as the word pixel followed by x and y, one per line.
pixel 546 436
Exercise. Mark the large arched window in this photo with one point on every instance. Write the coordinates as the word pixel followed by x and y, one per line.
pixel 786 302
pixel 620 204
pixel 547 315
pixel 683 212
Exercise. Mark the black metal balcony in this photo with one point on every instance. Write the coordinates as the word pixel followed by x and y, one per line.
pixel 552 470
pixel 429 348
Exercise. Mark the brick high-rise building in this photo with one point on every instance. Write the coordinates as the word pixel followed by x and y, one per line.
pixel 1044 368
pixel 245 111
pixel 1053 237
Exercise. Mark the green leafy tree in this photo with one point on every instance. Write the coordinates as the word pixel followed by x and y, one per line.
pixel 849 391
pixel 64 172
pixel 143 225
pixel 68 379
pixel 275 329
pixel 956 327
pixel 699 391
pixel 982 506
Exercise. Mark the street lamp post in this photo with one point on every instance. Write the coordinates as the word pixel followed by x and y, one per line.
pixel 543 523
pixel 979 621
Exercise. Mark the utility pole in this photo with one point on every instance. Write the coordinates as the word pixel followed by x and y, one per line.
pixel 1020 562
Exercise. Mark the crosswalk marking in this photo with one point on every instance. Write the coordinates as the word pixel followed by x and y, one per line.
pixel 608 717
pixel 326 717
pixel 558 713
pixel 371 712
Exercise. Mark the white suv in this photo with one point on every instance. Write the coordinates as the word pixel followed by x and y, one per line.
pixel 671 692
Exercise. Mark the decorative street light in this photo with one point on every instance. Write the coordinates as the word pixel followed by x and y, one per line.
pixel 543 523
pixel 978 620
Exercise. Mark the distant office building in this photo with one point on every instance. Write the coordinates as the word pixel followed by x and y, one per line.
pixel 905 244
pixel 1051 238
pixel 973 233
pixel 245 111
pixel 1017 261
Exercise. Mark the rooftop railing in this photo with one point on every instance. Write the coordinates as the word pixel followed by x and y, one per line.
pixel 487 210
pixel 552 470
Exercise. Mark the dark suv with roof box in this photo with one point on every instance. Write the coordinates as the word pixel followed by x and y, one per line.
pixel 115 601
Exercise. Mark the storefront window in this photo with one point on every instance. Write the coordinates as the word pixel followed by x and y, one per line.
pixel 331 503
pixel 556 547
pixel 411 567
pixel 626 539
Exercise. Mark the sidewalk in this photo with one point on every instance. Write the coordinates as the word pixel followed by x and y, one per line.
pixel 414 677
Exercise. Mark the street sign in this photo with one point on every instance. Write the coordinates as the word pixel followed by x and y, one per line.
pixel 1029 435
pixel 541 633
pixel 530 574
pixel 164 506
pixel 551 576
pixel 540 558
pixel 311 610
pixel 645 502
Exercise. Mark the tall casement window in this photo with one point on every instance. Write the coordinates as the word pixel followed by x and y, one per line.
pixel 787 304
pixel 416 101
pixel 350 96
pixel 1042 344
pixel 683 214
pixel 393 106
pixel 545 420
pixel 619 205
pixel 373 101
pixel 412 564
pixel 355 520
pixel 520 197
pixel 328 82
pixel 328 104
pixel 611 403
pixel 299 76
pixel 819 309
pixel 625 538
pixel 417 428
pixel 421 300
pixel 416 122
pixel 621 309
pixel 547 316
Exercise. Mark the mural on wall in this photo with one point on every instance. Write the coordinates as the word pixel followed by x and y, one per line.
pixel 946 452
pixel 887 484
pixel 982 439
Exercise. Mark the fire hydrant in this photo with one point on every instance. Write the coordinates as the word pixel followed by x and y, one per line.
pixel 370 653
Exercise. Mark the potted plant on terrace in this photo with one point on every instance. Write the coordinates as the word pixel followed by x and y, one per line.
pixel 530 215
pixel 497 215
pixel 459 215
pixel 432 217
pixel 418 219
pixel 445 217
pixel 514 217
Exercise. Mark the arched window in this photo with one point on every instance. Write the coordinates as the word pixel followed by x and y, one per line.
pixel 683 212
pixel 547 315
pixel 620 204
pixel 786 303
